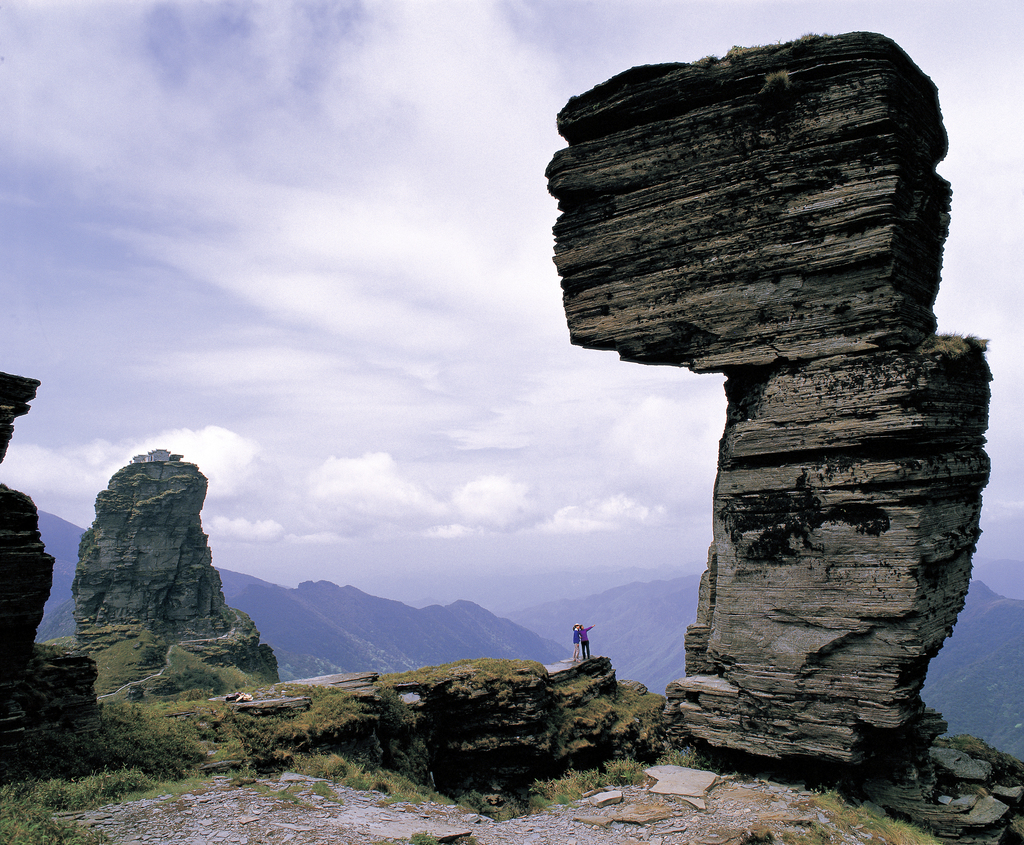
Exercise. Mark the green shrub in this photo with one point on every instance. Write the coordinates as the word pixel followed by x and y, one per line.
pixel 92 791
pixel 624 772
pixel 566 789
pixel 128 737
pixel 953 346
pixel 776 82
pixel 25 822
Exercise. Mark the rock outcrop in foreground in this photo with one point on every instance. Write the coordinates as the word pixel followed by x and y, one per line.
pixel 25 568
pixel 145 584
pixel 776 216
pixel 39 687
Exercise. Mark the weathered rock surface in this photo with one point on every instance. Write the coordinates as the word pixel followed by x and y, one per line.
pixel 25 569
pixel 845 514
pixel 145 570
pixel 715 219
pixel 496 733
pixel 776 216
pixel 41 687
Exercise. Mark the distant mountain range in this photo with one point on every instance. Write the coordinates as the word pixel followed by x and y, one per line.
pixel 976 680
pixel 640 626
pixel 320 627
pixel 61 540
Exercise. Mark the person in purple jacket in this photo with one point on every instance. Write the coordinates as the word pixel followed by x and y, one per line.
pixel 585 641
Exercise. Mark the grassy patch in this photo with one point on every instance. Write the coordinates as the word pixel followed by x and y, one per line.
pixel 467 675
pixel 858 820
pixel 776 82
pixel 124 654
pixel 953 346
pixel 338 769
pixel 574 784
pixel 25 822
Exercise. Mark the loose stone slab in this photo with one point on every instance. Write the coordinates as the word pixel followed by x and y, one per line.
pixel 691 785
pixel 604 799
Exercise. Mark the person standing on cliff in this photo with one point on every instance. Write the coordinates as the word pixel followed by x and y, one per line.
pixel 576 643
pixel 585 641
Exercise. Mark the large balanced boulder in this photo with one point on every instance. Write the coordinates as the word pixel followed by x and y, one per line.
pixel 778 204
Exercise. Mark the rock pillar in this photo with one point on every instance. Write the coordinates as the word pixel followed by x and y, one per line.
pixel 776 216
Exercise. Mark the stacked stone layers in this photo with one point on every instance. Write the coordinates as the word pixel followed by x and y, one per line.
pixel 776 216
pixel 842 551
pixel 495 736
pixel 711 220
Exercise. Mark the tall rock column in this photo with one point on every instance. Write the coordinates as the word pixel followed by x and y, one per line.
pixel 146 560
pixel 775 215
pixel 145 568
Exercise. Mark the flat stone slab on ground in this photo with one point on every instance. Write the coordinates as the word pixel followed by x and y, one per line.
pixel 691 785
pixel 603 799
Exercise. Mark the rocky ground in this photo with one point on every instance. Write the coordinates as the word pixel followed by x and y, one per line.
pixel 300 810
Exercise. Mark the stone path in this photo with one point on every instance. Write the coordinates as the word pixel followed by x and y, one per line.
pixel 300 810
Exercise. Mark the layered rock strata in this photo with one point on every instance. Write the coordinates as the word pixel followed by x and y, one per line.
pixel 145 565
pixel 495 732
pixel 26 570
pixel 778 204
pixel 776 216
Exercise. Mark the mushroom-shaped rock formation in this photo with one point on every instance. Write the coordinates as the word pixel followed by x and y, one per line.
pixel 776 216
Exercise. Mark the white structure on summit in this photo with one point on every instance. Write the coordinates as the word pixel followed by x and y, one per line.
pixel 155 455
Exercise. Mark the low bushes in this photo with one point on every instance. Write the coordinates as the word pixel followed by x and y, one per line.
pixel 128 737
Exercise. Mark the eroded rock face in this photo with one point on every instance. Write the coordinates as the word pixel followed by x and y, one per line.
pixel 497 733
pixel 714 218
pixel 776 216
pixel 845 513
pixel 146 559
pixel 145 564
pixel 26 571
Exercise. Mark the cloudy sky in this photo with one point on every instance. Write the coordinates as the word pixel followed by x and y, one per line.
pixel 308 245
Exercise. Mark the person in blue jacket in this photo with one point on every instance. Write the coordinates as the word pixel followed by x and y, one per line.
pixel 576 643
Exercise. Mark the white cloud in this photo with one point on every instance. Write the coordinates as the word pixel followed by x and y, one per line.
pixel 449 532
pixel 493 500
pixel 323 538
pixel 370 490
pixel 226 458
pixel 241 529
pixel 611 514
pixel 67 471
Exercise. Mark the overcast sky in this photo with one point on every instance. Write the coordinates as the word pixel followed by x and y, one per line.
pixel 308 245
